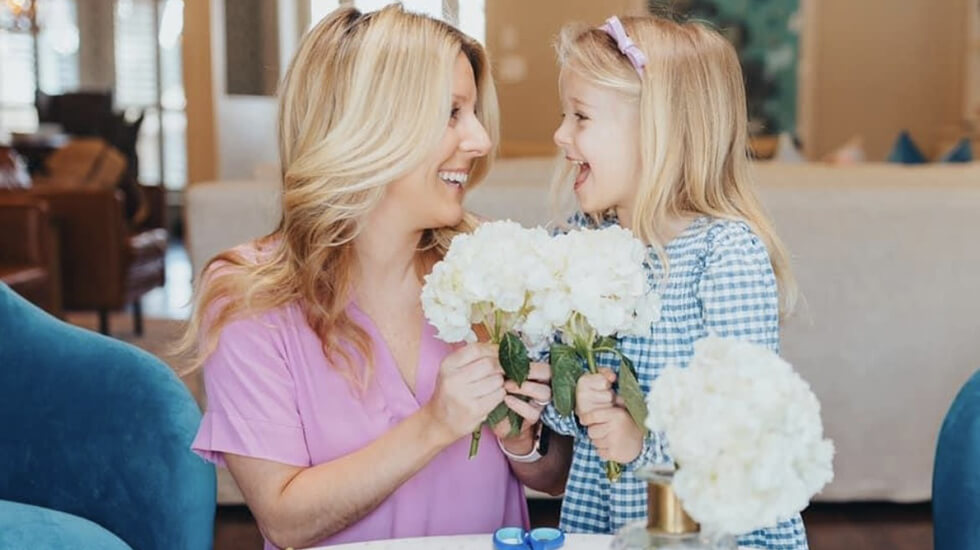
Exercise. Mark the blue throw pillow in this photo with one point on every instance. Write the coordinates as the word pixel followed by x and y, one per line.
pixel 961 152
pixel 905 152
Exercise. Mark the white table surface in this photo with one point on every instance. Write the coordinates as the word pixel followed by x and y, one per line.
pixel 466 542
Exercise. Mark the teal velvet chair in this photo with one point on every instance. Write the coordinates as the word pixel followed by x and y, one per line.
pixel 95 442
pixel 956 474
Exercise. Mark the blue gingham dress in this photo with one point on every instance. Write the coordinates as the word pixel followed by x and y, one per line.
pixel 721 282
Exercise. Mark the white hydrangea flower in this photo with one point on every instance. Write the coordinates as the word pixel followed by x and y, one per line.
pixel 745 433
pixel 538 282
pixel 484 274
pixel 606 281
pixel 549 305
pixel 444 304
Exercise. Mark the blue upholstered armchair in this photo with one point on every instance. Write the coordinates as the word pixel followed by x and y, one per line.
pixel 94 442
pixel 956 475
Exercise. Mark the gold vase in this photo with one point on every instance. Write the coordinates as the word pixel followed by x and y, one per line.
pixel 665 514
pixel 668 526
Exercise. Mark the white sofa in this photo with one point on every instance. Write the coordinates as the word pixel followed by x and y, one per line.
pixel 888 262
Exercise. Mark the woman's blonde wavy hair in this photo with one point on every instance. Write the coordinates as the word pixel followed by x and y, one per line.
pixel 693 127
pixel 365 100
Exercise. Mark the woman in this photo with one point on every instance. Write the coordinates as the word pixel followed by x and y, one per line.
pixel 336 410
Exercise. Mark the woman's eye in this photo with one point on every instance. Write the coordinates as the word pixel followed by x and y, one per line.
pixel 454 114
pixel 580 116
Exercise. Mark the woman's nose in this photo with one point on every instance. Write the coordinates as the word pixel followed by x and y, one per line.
pixel 477 140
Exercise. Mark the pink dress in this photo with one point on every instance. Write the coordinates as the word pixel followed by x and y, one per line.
pixel 273 395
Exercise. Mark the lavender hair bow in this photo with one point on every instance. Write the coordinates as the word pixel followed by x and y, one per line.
pixel 614 27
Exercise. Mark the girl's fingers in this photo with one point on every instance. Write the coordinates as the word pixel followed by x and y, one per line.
pixel 598 431
pixel 608 374
pixel 594 382
pixel 603 398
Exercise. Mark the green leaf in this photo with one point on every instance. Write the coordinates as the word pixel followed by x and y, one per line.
pixel 502 411
pixel 498 414
pixel 516 420
pixel 566 368
pixel 513 358
pixel 605 342
pixel 558 350
pixel 632 394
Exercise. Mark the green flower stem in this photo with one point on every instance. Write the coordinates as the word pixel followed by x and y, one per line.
pixel 494 330
pixel 614 470
pixel 590 357
pixel 475 441
pixel 583 346
pixel 513 358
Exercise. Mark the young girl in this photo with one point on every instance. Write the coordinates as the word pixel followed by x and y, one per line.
pixel 654 131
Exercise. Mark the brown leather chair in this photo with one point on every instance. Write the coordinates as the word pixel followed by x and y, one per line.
pixel 106 265
pixel 28 251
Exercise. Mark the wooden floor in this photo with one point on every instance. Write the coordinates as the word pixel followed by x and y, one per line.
pixel 870 526
pixel 861 526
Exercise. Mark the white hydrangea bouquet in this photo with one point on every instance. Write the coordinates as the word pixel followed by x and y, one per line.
pixel 745 435
pixel 601 291
pixel 487 279
pixel 525 286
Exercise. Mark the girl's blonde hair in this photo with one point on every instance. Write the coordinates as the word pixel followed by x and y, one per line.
pixel 365 100
pixel 693 127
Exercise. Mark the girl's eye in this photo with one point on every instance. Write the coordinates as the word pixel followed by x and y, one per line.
pixel 580 116
pixel 454 114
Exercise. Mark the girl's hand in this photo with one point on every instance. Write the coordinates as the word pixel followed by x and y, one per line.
pixel 614 433
pixel 594 392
